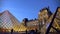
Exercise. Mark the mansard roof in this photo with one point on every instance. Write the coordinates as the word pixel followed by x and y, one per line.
pixel 48 10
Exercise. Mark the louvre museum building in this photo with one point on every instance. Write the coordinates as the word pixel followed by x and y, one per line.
pixel 8 21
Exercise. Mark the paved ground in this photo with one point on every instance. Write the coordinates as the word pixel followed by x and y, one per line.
pixel 10 33
pixel 22 33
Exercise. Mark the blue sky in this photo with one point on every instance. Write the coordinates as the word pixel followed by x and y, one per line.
pixel 27 8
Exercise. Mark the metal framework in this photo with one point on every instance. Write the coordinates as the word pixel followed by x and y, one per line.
pixel 50 25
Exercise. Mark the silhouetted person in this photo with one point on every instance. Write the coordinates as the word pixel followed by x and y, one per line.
pixel 11 31
pixel 26 32
pixel 36 31
pixel 32 32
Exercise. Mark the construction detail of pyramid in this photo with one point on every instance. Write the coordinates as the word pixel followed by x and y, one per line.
pixel 45 17
pixel 8 21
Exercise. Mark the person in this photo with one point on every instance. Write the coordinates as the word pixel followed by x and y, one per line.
pixel 26 32
pixel 11 31
pixel 32 32
pixel 36 31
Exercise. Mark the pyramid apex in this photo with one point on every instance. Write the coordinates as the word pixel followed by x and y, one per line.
pixel 6 10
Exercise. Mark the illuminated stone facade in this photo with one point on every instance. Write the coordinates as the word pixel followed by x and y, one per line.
pixel 31 24
pixel 43 17
pixel 43 21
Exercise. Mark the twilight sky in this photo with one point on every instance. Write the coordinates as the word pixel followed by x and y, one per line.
pixel 27 8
